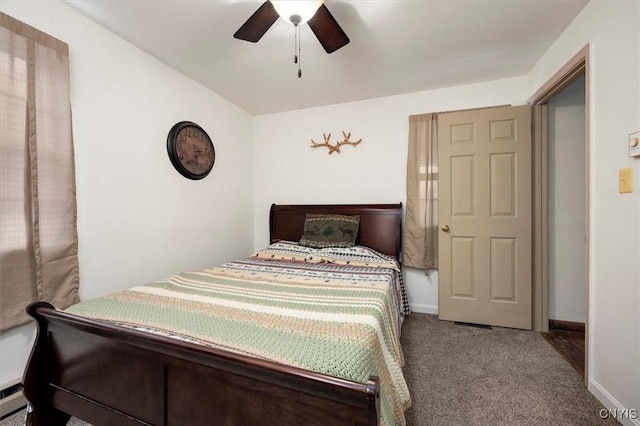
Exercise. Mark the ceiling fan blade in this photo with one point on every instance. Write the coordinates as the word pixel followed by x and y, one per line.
pixel 327 30
pixel 258 23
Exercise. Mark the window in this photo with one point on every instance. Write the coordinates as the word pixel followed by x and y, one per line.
pixel 38 236
pixel 421 219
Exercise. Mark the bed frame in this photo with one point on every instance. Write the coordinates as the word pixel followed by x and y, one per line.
pixel 108 375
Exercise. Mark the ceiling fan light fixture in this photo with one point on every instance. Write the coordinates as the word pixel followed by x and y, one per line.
pixel 296 12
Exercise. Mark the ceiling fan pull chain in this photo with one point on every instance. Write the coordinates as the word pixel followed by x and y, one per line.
pixel 295 44
pixel 299 54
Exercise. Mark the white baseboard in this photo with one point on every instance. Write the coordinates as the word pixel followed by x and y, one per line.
pixel 423 309
pixel 611 404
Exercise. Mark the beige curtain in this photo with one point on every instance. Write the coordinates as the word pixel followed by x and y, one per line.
pixel 420 248
pixel 38 236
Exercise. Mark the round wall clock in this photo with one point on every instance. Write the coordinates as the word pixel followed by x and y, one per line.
pixel 190 150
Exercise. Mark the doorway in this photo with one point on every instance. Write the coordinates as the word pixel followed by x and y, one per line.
pixel 567 222
pixel 550 297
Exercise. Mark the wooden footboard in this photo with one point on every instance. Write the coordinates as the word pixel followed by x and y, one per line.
pixel 108 375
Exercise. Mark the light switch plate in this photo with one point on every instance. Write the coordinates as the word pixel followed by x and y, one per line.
pixel 634 144
pixel 625 183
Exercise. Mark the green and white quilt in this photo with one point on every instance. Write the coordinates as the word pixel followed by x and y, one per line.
pixel 333 311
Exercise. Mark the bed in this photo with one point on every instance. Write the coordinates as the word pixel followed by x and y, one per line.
pixel 101 367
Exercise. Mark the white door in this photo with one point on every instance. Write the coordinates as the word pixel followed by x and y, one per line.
pixel 485 216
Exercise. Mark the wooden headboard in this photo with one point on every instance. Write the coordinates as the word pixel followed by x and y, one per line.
pixel 380 224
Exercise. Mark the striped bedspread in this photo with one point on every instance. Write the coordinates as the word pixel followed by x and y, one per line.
pixel 332 311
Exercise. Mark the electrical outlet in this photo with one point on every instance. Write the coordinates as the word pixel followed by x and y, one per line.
pixel 625 183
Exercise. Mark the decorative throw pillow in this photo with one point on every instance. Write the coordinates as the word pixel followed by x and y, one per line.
pixel 329 230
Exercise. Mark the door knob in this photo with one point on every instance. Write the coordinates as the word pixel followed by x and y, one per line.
pixel 445 228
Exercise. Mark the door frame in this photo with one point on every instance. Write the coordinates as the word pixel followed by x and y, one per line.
pixel 573 69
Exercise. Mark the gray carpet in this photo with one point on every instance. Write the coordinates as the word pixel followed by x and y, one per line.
pixel 460 375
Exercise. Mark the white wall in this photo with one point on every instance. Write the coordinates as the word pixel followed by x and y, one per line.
pixel 138 219
pixel 612 31
pixel 288 171
pixel 125 101
pixel 567 204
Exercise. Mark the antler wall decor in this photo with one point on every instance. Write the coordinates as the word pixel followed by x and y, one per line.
pixel 336 147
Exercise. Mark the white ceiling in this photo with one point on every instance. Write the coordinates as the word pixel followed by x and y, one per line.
pixel 396 46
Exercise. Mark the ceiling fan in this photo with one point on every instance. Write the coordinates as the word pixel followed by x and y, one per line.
pixel 320 20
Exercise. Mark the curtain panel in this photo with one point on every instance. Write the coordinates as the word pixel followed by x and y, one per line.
pixel 38 232
pixel 420 248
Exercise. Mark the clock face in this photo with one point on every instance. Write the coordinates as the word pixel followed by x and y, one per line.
pixel 190 150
